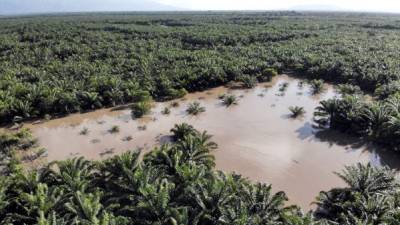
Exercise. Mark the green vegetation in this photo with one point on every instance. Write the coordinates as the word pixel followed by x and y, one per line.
pixel 181 130
pixel 114 129
pixel 175 104
pixel 142 127
pixel 166 111
pixel 317 86
pixel 64 64
pixel 348 89
pixel 177 184
pixel 55 65
pixel 296 111
pixel 283 87
pixel 267 74
pixel 376 121
pixel 229 100
pixel 195 108
pixel 139 109
pixel 248 81
pixel 13 143
pixel 127 138
pixel 372 197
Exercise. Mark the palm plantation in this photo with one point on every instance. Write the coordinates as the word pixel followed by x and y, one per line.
pixel 55 65
pixel 177 184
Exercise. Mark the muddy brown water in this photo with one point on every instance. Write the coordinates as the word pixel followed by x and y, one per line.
pixel 256 138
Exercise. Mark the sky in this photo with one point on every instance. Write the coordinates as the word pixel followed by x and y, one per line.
pixel 38 6
pixel 350 5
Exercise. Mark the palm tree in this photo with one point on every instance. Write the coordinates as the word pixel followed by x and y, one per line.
pixel 127 162
pixel 248 81
pixel 23 108
pixel 114 129
pixel 365 198
pixel 393 124
pixel 264 206
pixel 325 113
pixel 86 209
pixel 376 117
pixel 90 100
pixel 209 200
pixel 181 130
pixel 197 148
pixel 166 111
pixel 3 195
pixel 195 108
pixel 72 174
pixel 393 104
pixel 367 179
pixel 154 205
pixel 84 131
pixel 51 219
pixel 348 89
pixel 296 111
pixel 139 109
pixel 42 201
pixel 317 86
pixel 114 96
pixel 284 86
pixel 229 100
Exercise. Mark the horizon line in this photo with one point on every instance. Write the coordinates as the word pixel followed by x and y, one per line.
pixel 192 10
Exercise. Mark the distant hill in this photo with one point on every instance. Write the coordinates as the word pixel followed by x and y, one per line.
pixel 8 7
pixel 318 8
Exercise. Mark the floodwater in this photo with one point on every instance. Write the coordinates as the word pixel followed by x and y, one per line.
pixel 256 138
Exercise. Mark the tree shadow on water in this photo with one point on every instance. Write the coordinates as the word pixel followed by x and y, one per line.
pixel 306 131
pixel 163 139
pixel 379 155
pixel 333 137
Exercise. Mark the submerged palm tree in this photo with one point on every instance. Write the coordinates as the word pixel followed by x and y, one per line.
pixel 376 117
pixel 316 86
pixel 195 108
pixel 139 109
pixel 326 112
pixel 296 111
pixel 229 100
pixel 166 111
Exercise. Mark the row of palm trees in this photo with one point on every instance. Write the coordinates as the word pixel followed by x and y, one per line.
pixel 176 184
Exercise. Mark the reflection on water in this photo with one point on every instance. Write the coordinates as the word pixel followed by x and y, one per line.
pixel 256 138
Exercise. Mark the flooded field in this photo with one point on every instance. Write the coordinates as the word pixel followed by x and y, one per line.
pixel 256 138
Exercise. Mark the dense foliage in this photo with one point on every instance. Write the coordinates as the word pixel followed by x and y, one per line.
pixel 62 64
pixel 176 184
pixel 375 121
pixel 69 63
